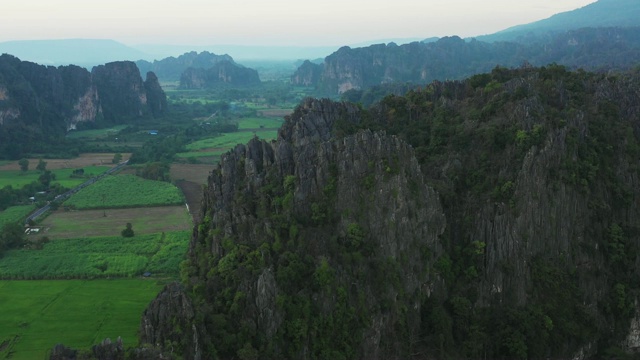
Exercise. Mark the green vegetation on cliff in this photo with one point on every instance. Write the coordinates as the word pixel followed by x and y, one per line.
pixel 332 243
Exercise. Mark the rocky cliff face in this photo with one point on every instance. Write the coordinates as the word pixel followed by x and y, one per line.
pixel 156 98
pixel 39 104
pixel 331 241
pixel 453 58
pixel 55 98
pixel 545 183
pixel 86 109
pixel 308 74
pixel 172 309
pixel 122 90
pixel 48 101
pixel 316 209
pixel 221 74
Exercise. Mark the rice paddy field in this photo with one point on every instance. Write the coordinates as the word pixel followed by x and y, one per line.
pixel 84 286
pixel 38 314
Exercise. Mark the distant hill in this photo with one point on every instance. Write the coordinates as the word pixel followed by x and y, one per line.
pixel 603 13
pixel 201 70
pixel 223 73
pixel 171 68
pixel 82 52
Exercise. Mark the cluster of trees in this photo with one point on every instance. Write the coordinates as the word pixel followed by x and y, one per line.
pixel 127 231
pixel 11 237
pixel 10 196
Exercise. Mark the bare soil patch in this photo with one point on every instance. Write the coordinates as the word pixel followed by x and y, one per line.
pixel 88 159
pixel 276 112
pixel 197 173
pixel 193 192
pixel 146 220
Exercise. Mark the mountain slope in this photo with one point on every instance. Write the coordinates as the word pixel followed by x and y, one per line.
pixel 602 13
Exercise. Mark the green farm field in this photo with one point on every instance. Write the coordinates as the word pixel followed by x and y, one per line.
pixel 98 257
pixel 214 147
pixel 36 315
pixel 18 179
pixel 146 220
pixel 15 214
pixel 125 191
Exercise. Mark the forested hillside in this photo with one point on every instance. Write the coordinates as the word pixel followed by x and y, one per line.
pixel 495 217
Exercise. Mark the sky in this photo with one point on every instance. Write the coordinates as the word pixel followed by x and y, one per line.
pixel 267 22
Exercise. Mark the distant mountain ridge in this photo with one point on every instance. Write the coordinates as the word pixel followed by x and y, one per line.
pixel 453 58
pixel 82 52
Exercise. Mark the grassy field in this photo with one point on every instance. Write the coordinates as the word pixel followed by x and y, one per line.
pixel 98 257
pixel 36 315
pixel 147 220
pixel 18 179
pixel 125 191
pixel 15 214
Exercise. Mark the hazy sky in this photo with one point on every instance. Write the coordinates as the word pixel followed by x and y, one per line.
pixel 268 22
